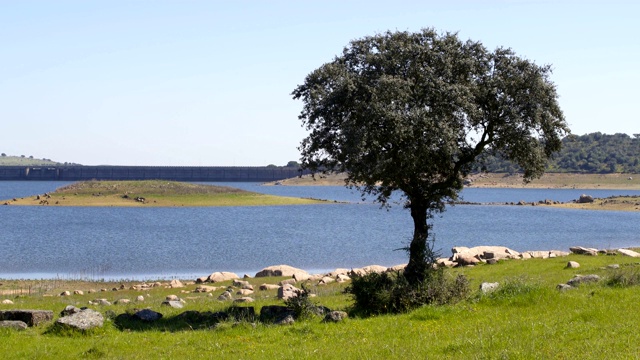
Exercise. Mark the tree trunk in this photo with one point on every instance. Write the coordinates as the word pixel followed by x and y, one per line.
pixel 420 255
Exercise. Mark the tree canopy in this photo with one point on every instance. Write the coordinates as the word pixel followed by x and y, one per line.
pixel 415 111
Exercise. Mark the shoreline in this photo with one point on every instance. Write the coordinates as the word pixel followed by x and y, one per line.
pixel 194 275
pixel 502 181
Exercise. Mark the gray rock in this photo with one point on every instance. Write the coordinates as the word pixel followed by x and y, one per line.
pixel 585 199
pixel 335 316
pixel 83 320
pixel 240 283
pixel 283 270
pixel 225 296
pixel 7 302
pixel 175 283
pixel 30 317
pixel 173 303
pixel 147 315
pixel 102 302
pixel 573 265
pixel 379 269
pixel 244 292
pixel 628 252
pixel 222 276
pixel 287 291
pixel 275 313
pixel 205 289
pixel 13 324
pixel 487 287
pixel 581 279
pixel 69 310
pixel 287 320
pixel 564 287
pixel 244 299
pixel 465 259
pixel 538 254
pixel 584 251
pixel 557 253
pixel 613 266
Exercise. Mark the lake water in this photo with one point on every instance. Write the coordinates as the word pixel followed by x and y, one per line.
pixel 149 243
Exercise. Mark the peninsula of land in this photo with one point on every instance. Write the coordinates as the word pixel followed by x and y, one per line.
pixel 154 193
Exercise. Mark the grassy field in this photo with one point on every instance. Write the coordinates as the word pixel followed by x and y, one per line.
pixel 147 193
pixel 526 318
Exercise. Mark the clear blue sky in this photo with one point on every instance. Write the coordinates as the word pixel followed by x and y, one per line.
pixel 209 82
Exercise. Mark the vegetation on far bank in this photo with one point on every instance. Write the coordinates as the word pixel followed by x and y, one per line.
pixel 594 153
pixel 503 180
pixel 147 193
pixel 23 160
pixel 527 317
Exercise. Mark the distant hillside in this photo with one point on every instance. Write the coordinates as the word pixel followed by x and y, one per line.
pixel 10 160
pixel 594 153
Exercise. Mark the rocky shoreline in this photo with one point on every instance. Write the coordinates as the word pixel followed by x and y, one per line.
pixel 587 202
pixel 239 291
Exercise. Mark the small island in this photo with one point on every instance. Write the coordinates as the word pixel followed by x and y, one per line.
pixel 153 193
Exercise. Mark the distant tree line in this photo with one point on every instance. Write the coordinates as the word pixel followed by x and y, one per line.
pixel 590 153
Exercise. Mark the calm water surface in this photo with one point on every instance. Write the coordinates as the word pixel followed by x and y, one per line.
pixel 91 242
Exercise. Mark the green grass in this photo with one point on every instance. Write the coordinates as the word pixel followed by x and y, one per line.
pixel 526 318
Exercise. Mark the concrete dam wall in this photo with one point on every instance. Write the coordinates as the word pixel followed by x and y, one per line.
pixel 177 173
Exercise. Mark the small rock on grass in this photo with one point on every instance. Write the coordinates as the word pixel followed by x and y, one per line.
pixel 85 319
pixel 581 279
pixel 487 287
pixel 13 324
pixel 147 315
pixel 564 287
pixel 573 265
pixel 335 316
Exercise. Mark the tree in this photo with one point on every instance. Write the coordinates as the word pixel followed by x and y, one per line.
pixel 414 112
pixel 292 164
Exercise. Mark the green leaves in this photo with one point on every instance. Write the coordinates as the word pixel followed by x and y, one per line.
pixel 399 110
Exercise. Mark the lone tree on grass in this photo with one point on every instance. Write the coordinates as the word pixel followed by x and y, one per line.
pixel 416 112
